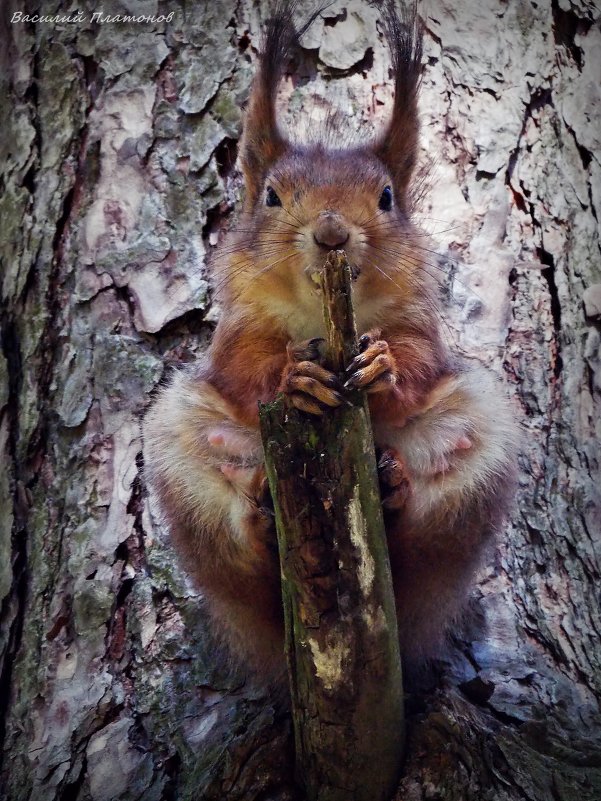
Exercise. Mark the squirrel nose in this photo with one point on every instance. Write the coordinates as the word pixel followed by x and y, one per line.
pixel 330 230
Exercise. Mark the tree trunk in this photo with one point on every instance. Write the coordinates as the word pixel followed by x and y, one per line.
pixel 118 145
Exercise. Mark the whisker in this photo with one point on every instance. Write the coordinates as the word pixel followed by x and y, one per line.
pixel 257 232
pixel 424 262
pixel 394 226
pixel 274 222
pixel 423 298
pixel 263 270
pixel 409 267
pixel 254 247
pixel 241 267
pixel 220 282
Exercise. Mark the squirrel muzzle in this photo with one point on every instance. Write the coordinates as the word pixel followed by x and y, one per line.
pixel 330 230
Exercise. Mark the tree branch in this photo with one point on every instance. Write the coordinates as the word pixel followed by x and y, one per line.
pixel 341 633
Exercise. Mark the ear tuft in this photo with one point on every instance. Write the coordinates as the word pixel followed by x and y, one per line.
pixel 262 141
pixel 397 145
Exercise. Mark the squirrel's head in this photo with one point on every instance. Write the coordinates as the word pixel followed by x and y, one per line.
pixel 303 201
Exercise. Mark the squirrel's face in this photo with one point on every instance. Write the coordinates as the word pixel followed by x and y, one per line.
pixel 323 200
pixel 302 202
pixel 316 200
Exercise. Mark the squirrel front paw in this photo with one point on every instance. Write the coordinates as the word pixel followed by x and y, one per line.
pixel 374 369
pixel 307 385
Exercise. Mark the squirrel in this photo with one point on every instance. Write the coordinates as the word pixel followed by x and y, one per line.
pixel 443 431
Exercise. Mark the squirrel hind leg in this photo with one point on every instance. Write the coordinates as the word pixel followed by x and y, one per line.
pixel 431 601
pixel 459 454
pixel 250 629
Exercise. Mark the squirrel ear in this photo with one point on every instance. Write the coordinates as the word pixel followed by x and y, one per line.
pixel 262 142
pixel 397 145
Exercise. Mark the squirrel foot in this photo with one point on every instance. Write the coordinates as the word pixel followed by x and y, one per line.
pixel 230 447
pixel 309 386
pixel 395 486
pixel 259 522
pixel 445 462
pixel 374 368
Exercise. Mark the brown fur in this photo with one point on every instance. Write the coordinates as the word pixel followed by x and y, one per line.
pixel 446 431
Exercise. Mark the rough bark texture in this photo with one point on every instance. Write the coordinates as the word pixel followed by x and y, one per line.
pixel 341 633
pixel 117 145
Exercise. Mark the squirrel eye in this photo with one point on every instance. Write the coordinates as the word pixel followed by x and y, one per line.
pixel 385 202
pixel 271 199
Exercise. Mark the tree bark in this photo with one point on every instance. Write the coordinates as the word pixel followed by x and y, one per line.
pixel 341 632
pixel 117 146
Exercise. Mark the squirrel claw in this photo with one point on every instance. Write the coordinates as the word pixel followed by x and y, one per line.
pixel 314 388
pixel 395 487
pixel 306 404
pixel 373 369
pixel 368 338
pixel 309 350
pixel 367 377
pixel 309 386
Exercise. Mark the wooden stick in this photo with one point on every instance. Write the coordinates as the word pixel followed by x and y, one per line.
pixel 341 634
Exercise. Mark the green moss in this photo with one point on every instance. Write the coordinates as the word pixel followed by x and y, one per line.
pixel 91 607
pixel 13 210
pixel 123 373
pixel 228 112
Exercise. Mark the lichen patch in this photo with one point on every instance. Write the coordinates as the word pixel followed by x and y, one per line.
pixel 329 662
pixel 358 532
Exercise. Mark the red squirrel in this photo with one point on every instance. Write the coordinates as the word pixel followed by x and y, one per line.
pixel 442 430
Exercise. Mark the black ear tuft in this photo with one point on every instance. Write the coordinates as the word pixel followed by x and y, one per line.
pixel 397 146
pixel 262 141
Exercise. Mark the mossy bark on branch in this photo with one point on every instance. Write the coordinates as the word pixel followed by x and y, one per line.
pixel 341 633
